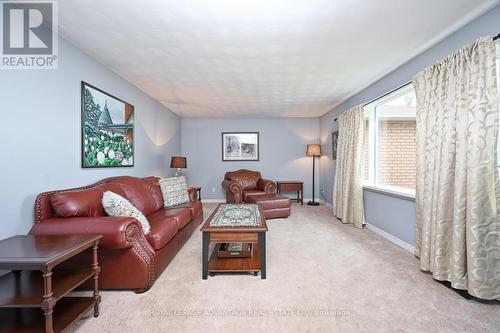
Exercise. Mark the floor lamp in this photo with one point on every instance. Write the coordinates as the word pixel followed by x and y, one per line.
pixel 314 151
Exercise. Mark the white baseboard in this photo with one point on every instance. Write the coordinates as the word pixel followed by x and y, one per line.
pixel 321 201
pixel 391 238
pixel 213 200
pixel 329 205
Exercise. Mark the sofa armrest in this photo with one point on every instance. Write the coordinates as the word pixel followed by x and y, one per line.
pixel 232 187
pixel 193 195
pixel 266 185
pixel 117 232
pixel 233 191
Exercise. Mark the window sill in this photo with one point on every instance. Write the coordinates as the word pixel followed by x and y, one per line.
pixel 397 192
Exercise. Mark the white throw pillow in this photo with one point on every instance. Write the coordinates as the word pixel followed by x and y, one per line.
pixel 174 191
pixel 116 205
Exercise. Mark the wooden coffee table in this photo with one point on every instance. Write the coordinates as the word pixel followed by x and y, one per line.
pixel 247 227
pixel 33 297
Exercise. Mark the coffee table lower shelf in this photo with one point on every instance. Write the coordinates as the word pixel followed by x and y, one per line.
pixel 235 265
pixel 66 312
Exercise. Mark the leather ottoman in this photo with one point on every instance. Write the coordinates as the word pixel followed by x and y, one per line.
pixel 274 206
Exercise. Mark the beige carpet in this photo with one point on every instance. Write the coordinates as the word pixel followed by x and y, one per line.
pixel 322 276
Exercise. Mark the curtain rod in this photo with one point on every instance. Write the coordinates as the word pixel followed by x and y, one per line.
pixel 401 86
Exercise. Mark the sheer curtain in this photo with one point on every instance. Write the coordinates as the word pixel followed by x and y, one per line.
pixel 457 192
pixel 347 188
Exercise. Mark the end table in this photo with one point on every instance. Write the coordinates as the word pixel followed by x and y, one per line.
pixel 291 186
pixel 33 297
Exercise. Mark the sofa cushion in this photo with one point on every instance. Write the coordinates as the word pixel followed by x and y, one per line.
pixel 195 207
pixel 116 205
pixel 174 191
pixel 82 203
pixel 162 230
pixel 138 192
pixel 249 193
pixel 153 186
pixel 181 216
pixel 270 201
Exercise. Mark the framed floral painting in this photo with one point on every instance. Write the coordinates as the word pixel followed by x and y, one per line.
pixel 107 130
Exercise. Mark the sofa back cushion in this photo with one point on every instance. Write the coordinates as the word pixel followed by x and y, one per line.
pixel 82 202
pixel 139 192
pixel 247 179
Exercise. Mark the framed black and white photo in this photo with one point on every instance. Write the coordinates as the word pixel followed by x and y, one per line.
pixel 240 146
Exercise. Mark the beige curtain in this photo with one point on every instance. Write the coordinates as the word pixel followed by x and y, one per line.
pixel 347 188
pixel 457 194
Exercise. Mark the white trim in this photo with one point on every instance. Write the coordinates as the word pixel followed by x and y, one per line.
pixel 391 238
pixel 213 200
pixel 321 201
pixel 391 191
pixel 329 205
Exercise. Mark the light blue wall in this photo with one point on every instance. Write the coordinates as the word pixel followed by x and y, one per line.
pixel 385 212
pixel 40 133
pixel 282 143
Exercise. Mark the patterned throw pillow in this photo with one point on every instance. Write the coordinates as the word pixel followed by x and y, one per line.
pixel 116 205
pixel 174 191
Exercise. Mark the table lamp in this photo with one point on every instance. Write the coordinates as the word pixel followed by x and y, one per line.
pixel 179 163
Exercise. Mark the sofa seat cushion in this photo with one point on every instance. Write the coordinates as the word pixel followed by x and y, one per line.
pixel 181 216
pixel 162 230
pixel 249 193
pixel 270 201
pixel 195 207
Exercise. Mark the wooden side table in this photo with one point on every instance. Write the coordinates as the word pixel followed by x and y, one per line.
pixel 291 186
pixel 33 297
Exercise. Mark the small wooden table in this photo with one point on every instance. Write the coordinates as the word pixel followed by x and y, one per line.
pixel 291 186
pixel 198 190
pixel 33 296
pixel 255 234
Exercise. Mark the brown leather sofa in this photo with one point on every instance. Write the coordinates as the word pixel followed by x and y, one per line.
pixel 128 258
pixel 241 184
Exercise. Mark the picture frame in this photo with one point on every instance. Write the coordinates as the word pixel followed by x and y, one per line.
pixel 335 141
pixel 107 129
pixel 240 146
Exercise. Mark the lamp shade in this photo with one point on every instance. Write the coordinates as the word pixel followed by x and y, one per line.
pixel 313 150
pixel 178 162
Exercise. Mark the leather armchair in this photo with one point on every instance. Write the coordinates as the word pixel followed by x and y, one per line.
pixel 243 183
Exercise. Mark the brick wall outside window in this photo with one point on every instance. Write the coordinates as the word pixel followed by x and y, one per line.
pixel 396 153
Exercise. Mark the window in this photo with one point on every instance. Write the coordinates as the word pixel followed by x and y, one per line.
pixel 390 141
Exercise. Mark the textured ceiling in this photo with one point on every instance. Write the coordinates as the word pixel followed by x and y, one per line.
pixel 258 57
